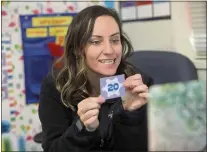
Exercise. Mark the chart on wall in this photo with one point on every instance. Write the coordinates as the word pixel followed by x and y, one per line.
pixel 43 39
pixel 145 10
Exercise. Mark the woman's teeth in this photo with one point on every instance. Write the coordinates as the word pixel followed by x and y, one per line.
pixel 107 61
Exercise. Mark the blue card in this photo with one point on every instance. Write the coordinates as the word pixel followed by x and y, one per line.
pixel 112 87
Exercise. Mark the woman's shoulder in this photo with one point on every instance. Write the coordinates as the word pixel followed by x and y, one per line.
pixel 48 85
pixel 49 80
pixel 50 101
pixel 49 94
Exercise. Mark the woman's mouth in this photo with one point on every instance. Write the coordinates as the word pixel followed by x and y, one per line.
pixel 107 61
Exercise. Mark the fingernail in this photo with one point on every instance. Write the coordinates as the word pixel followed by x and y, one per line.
pixel 102 99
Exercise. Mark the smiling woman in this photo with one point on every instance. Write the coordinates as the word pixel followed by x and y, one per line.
pixel 74 116
pixel 88 52
pixel 104 51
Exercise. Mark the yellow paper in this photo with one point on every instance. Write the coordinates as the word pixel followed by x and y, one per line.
pixel 58 31
pixel 51 21
pixel 60 40
pixel 36 32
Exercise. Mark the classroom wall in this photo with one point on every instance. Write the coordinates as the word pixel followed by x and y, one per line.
pixel 150 35
pixel 172 35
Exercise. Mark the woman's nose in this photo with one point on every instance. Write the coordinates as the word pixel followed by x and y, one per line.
pixel 108 48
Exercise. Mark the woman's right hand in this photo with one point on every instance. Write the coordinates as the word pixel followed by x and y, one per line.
pixel 88 111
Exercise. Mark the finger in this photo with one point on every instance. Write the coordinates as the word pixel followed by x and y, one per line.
pixel 89 104
pixel 101 99
pixel 82 109
pixel 135 105
pixel 143 101
pixel 140 88
pixel 133 83
pixel 135 77
pixel 89 114
pixel 90 121
pixel 98 99
pixel 144 95
pixel 129 80
pixel 138 104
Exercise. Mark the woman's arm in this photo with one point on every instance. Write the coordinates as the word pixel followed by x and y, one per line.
pixel 60 130
pixel 131 126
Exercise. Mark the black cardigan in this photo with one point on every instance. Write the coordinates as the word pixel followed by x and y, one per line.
pixel 119 130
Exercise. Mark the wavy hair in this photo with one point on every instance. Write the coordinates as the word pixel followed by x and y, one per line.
pixel 71 79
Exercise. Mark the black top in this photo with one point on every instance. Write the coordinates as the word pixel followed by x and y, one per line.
pixel 118 130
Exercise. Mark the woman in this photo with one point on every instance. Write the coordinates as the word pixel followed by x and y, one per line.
pixel 74 116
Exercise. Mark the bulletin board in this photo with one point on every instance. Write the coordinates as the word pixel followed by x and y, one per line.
pixel 42 39
pixel 145 10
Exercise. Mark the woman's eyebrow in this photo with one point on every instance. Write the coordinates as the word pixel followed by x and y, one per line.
pixel 115 34
pixel 99 36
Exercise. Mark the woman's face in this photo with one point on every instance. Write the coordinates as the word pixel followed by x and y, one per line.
pixel 104 49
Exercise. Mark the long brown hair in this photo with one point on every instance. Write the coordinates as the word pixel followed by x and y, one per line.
pixel 71 79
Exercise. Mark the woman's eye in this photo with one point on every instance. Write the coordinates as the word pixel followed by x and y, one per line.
pixel 115 41
pixel 95 42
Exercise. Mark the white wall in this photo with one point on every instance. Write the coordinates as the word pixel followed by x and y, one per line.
pixel 150 35
pixel 172 35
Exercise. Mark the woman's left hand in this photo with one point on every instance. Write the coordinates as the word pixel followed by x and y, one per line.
pixel 136 93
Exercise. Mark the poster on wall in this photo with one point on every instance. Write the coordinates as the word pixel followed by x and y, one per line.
pixel 42 41
pixel 145 10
